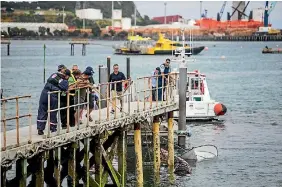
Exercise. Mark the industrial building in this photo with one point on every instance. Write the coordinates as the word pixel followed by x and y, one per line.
pixel 89 13
pixel 168 19
pixel 33 26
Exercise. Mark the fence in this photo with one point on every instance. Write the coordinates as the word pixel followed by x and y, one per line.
pixel 17 118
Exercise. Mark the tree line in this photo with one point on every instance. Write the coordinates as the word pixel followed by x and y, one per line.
pixel 16 32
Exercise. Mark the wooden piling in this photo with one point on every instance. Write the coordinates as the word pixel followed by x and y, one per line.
pixel 86 160
pixel 98 160
pixel 170 162
pixel 156 145
pixel 21 172
pixel 138 154
pixel 72 163
pixel 57 166
pixel 39 174
pixel 8 49
pixel 122 154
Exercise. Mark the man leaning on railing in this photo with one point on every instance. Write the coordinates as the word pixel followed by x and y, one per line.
pixel 56 82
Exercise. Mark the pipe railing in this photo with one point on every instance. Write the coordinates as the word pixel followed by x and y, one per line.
pixel 141 89
pixel 17 118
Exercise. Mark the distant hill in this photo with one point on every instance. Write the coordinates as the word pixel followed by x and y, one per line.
pixel 105 6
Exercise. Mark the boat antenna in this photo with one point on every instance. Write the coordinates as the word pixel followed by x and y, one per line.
pixel 180 54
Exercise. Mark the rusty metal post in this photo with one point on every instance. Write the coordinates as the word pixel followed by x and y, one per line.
pixel 138 154
pixel 72 163
pixel 103 92
pixel 17 121
pixel 108 67
pixel 156 145
pixel 8 49
pixel 48 118
pixel 4 126
pixel 170 148
pixel 30 123
pixel 68 112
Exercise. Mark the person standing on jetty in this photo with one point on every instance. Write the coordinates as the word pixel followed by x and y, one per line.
pixel 82 83
pixel 165 70
pixel 56 82
pixel 116 87
pixel 91 82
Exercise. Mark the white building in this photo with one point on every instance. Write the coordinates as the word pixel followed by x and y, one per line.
pixel 258 14
pixel 126 23
pixel 33 26
pixel 89 13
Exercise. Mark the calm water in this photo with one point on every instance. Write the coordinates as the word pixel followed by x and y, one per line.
pixel 246 81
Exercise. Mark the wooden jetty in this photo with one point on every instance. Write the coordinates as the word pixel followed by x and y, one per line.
pixel 79 41
pixel 69 153
pixel 8 43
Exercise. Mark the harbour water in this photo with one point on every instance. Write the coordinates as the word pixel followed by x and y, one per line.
pixel 239 75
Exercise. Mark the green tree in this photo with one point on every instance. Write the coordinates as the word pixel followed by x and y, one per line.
pixel 42 31
pixel 4 33
pixel 57 33
pixel 23 32
pixel 96 31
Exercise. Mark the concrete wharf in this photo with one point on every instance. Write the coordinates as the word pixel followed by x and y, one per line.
pixel 50 158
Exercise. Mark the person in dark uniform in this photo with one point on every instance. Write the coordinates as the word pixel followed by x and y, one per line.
pixel 56 82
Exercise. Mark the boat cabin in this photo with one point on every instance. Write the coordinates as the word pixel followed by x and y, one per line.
pixel 195 90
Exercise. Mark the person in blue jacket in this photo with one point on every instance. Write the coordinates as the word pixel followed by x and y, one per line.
pixel 56 82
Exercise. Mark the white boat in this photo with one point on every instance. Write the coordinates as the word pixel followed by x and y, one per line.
pixel 199 105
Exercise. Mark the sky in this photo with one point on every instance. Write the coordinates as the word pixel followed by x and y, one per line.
pixel 191 9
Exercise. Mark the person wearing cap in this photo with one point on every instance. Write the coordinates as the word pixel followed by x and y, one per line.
pixel 116 87
pixel 62 68
pixel 56 82
pixel 90 72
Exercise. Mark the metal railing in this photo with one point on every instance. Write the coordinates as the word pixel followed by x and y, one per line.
pixel 135 97
pixel 17 118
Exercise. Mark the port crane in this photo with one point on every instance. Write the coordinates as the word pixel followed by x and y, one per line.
pixel 241 13
pixel 219 15
pixel 267 12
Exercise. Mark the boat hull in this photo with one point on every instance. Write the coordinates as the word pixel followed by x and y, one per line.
pixel 272 51
pixel 198 111
pixel 194 50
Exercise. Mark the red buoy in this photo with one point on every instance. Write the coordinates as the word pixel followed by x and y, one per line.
pixel 219 109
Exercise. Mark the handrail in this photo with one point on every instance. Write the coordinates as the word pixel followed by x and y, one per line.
pixel 17 117
pixel 138 96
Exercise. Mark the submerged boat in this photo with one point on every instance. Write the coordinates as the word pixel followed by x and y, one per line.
pixel 146 46
pixel 272 50
pixel 199 105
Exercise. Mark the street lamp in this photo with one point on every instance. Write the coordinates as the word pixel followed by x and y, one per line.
pixel 165 13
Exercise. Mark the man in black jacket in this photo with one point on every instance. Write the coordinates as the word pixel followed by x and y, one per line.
pixel 116 87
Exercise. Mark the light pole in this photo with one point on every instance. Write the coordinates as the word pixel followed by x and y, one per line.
pixel 134 15
pixel 63 14
pixel 165 13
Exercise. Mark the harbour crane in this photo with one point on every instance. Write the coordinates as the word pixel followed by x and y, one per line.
pixel 267 12
pixel 219 15
pixel 240 13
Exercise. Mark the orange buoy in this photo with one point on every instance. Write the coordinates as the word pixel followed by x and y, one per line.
pixel 206 48
pixel 219 109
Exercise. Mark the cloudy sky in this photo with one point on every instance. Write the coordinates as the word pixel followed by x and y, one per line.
pixel 192 9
